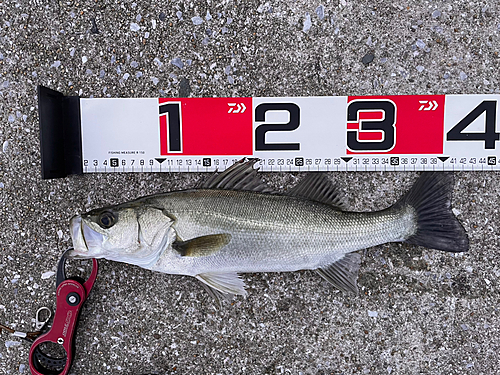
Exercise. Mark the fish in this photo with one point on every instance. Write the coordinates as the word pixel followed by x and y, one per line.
pixel 234 223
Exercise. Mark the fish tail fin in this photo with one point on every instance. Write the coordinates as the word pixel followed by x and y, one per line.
pixel 437 226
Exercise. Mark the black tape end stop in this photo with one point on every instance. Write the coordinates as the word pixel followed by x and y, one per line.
pixel 60 133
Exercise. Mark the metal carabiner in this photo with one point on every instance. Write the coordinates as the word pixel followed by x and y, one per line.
pixel 39 323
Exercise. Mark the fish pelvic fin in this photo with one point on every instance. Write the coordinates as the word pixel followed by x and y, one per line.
pixel 437 226
pixel 224 282
pixel 343 274
pixel 317 187
pixel 202 246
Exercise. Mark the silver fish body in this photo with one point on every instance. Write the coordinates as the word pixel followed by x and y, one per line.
pixel 232 224
pixel 273 233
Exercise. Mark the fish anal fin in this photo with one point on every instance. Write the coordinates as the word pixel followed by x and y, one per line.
pixel 224 282
pixel 217 295
pixel 202 246
pixel 343 273
pixel 316 187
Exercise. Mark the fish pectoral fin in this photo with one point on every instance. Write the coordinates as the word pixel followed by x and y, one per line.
pixel 316 187
pixel 343 273
pixel 224 282
pixel 202 246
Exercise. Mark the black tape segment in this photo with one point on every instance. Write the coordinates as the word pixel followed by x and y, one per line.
pixel 60 133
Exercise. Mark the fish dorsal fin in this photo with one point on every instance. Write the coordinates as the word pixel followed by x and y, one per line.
pixel 317 187
pixel 240 176
pixel 343 273
pixel 224 282
pixel 202 246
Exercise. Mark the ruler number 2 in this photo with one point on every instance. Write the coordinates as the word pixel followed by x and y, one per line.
pixel 261 130
pixel 489 136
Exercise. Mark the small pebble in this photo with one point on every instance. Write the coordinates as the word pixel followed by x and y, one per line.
pixel 22 367
pixel 84 59
pixel 372 314
pixel 320 12
pixel 94 29
pixel 463 76
pixel 208 17
pixel 197 20
pixel 307 23
pixel 177 62
pixel 163 17
pixel 5 146
pixel 420 43
pixel 155 80
pixel 420 68
pixel 157 61
pixel 47 275
pixel 10 344
pixel 134 64
pixel 134 27
pixel 56 64
pixel 436 14
pixel 368 58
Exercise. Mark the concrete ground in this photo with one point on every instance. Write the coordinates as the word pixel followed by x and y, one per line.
pixel 420 311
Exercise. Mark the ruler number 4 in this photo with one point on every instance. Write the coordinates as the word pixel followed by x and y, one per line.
pixel 489 136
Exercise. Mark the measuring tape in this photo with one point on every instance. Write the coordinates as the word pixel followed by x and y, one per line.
pixel 341 133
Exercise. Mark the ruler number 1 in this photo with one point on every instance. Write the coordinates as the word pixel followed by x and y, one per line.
pixel 173 119
pixel 489 136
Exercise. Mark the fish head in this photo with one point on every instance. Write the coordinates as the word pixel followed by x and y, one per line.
pixel 130 233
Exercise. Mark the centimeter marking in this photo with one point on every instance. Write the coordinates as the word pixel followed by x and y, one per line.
pixel 297 164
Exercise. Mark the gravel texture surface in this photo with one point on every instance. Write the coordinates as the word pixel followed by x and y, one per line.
pixel 420 310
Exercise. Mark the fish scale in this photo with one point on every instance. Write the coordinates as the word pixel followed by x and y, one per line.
pixel 275 233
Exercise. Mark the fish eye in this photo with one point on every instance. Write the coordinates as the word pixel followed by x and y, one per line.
pixel 107 219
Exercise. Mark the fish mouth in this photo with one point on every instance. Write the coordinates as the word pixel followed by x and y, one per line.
pixel 86 241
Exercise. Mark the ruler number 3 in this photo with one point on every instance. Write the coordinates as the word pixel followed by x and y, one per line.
pixel 489 136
